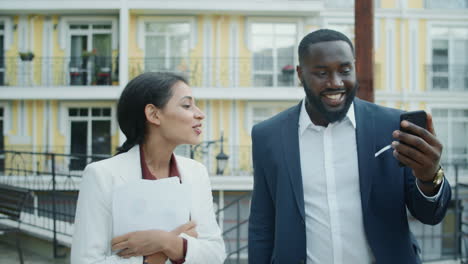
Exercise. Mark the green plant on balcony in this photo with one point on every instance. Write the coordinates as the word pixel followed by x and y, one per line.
pixel 26 56
pixel 87 54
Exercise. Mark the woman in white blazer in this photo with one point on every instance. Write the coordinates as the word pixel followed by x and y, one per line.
pixel 156 112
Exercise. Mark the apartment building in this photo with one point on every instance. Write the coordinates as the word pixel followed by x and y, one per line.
pixel 63 65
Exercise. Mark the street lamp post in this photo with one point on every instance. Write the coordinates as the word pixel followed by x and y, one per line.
pixel 221 158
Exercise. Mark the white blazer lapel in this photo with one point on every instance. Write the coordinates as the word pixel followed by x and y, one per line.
pixel 129 165
pixel 184 170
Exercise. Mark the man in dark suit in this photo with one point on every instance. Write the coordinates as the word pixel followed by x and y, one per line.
pixel 325 189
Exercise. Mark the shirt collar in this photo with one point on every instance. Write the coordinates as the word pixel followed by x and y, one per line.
pixel 305 122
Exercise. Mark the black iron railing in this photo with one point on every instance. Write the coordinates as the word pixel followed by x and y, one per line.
pixel 59 71
pixel 54 189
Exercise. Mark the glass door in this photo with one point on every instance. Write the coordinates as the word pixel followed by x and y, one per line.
pixel 79 60
pixel 79 137
pixel 2 144
pixel 102 59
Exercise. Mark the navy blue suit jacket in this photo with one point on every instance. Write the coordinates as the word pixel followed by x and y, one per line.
pixel 277 224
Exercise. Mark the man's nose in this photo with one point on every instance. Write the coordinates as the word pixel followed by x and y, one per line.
pixel 336 81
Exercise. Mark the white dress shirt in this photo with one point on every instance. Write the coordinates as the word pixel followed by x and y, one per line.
pixel 332 197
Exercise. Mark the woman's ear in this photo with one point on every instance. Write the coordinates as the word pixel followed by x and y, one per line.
pixel 152 114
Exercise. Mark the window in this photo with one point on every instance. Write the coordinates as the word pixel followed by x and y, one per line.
pixel 259 112
pixel 449 69
pixel 90 134
pixel 447 4
pixel 345 28
pixel 90 53
pixel 274 53
pixel 167 46
pixel 2 55
pixel 2 143
pixel 452 129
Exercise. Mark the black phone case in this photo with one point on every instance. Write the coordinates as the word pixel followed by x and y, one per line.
pixel 418 118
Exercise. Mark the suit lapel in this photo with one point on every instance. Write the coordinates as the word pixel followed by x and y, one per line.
pixel 130 168
pixel 365 141
pixel 290 144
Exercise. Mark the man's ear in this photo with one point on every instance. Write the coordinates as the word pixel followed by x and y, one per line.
pixel 299 72
pixel 152 114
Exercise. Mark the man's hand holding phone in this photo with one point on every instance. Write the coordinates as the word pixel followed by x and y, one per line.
pixel 418 148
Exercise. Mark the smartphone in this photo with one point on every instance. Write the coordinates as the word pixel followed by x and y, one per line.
pixel 418 118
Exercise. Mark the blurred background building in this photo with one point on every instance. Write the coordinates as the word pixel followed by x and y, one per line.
pixel 63 65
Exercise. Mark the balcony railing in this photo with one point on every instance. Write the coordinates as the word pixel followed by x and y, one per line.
pixel 222 72
pixel 447 4
pixel 447 77
pixel 50 210
pixel 59 71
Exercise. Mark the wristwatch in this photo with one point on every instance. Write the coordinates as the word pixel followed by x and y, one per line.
pixel 437 180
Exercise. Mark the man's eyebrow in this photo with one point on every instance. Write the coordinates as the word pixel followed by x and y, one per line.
pixel 348 63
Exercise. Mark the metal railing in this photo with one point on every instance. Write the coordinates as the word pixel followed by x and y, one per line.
pixel 59 71
pixel 54 190
pixel 223 72
pixel 235 234
pixel 50 209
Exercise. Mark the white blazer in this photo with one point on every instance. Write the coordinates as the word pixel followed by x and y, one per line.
pixel 93 221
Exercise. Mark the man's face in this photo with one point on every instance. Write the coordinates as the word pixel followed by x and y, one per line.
pixel 329 79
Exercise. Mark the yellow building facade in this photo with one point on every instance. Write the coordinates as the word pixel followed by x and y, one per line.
pixel 64 64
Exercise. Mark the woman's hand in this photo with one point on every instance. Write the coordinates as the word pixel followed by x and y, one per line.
pixel 140 243
pixel 149 242
pixel 187 228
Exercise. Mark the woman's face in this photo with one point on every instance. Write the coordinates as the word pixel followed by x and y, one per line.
pixel 181 118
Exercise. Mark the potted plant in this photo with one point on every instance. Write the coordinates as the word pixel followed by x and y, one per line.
pixel 87 54
pixel 26 56
pixel 287 69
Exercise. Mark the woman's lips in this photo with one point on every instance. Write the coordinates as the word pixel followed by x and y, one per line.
pixel 197 129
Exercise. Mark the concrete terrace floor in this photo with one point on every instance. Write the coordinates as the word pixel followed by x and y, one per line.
pixel 9 255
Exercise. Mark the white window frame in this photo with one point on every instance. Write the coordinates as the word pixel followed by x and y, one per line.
pixel 89 33
pixel 429 38
pixel 6 117
pixel 142 20
pixel 141 31
pixel 299 23
pixel 7 32
pixel 66 21
pixel 67 122
pixel 63 123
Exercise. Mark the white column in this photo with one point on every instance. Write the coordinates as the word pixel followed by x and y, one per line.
pixel 123 52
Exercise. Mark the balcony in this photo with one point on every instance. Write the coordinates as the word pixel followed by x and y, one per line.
pixel 448 4
pixel 224 72
pixel 447 77
pixel 59 71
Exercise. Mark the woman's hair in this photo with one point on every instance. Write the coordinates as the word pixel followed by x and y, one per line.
pixel 148 88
